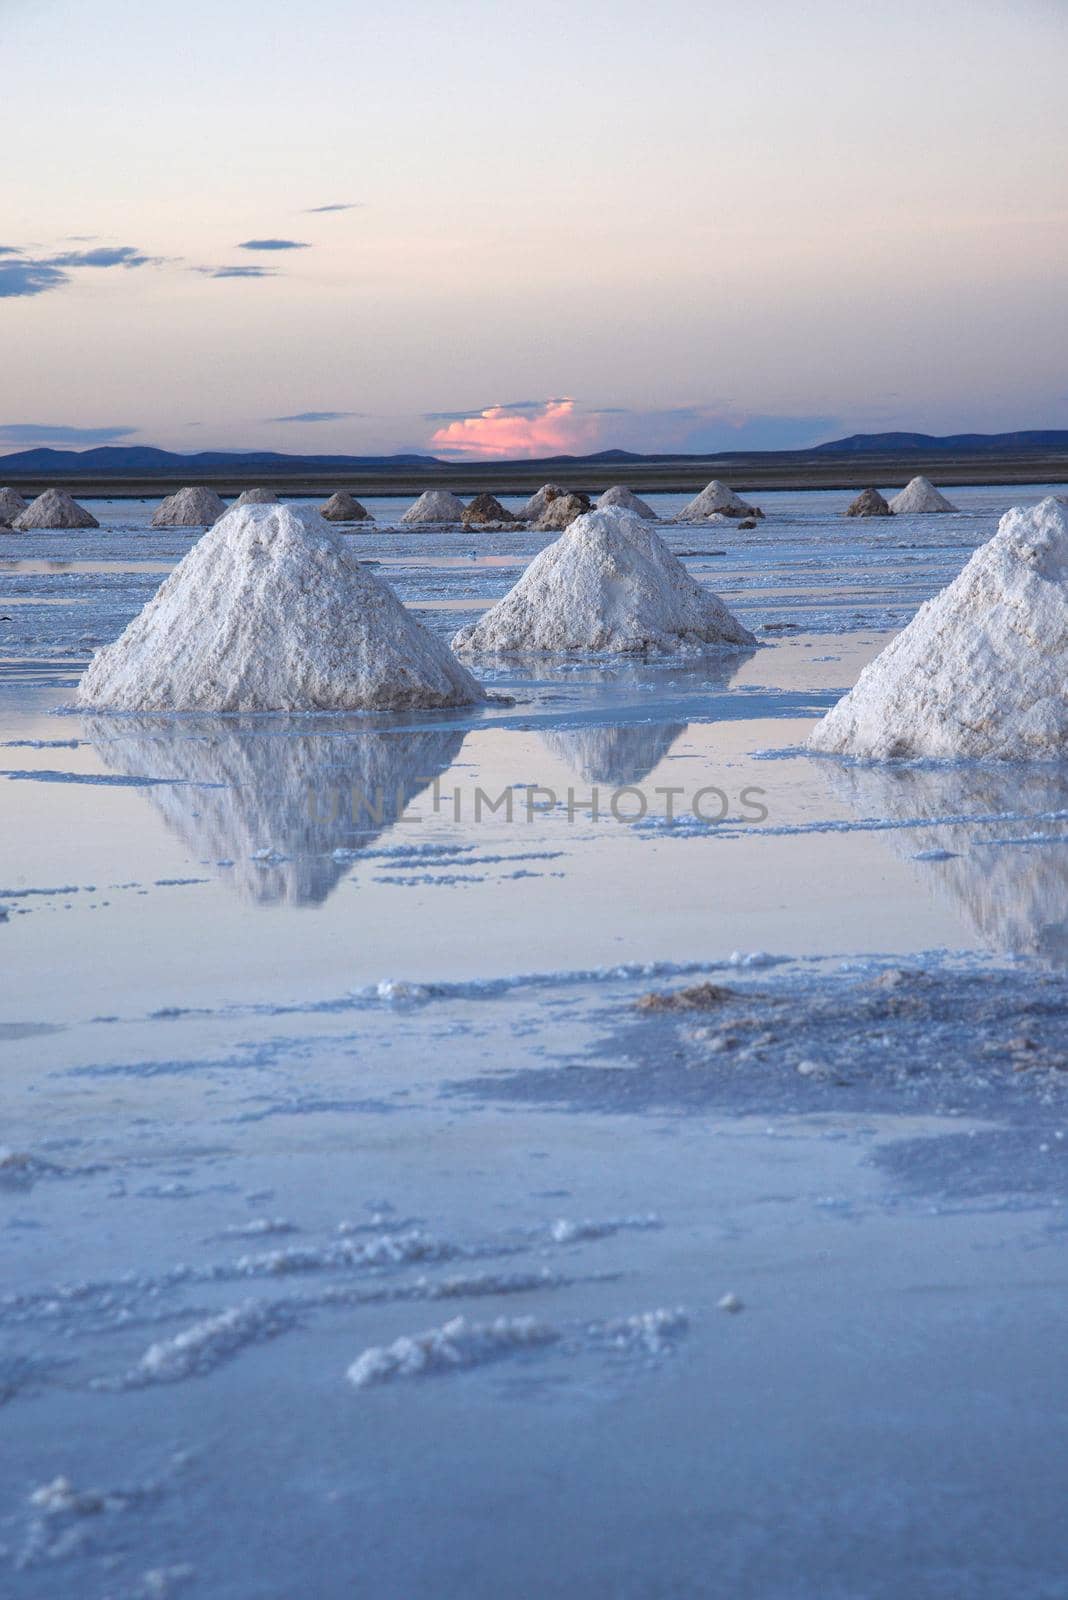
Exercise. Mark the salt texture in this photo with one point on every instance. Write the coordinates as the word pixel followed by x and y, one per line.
pixel 562 511
pixel 486 509
pixel 342 507
pixel 458 1343
pixel 12 505
pixel 869 503
pixel 620 495
pixel 256 497
pixel 270 612
pixel 716 499
pixel 608 584
pixel 537 502
pixel 435 505
pixel 54 509
pixel 918 497
pixel 980 670
pixel 189 508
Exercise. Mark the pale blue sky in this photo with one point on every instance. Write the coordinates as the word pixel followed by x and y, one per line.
pixel 704 224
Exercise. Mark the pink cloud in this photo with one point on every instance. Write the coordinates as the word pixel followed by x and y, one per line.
pixel 557 429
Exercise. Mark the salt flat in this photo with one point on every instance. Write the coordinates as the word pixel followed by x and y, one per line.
pixel 307 1050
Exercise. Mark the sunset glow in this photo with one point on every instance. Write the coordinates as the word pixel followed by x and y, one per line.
pixel 500 431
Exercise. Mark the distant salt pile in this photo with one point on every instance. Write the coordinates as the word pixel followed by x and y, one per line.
pixel 342 507
pixel 716 499
pixel 256 497
pixel 981 669
pixel 486 510
pixel 435 506
pixel 562 511
pixel 535 506
pixel 869 503
pixel 270 612
pixel 918 497
pixel 54 509
pixel 609 584
pixel 620 495
pixel 11 505
pixel 189 508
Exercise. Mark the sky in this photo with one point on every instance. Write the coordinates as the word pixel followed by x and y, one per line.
pixel 480 228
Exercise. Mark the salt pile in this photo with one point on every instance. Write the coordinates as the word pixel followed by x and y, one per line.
pixel 435 505
pixel 270 612
pixel 716 499
pixel 537 502
pixel 54 509
pixel 869 503
pixel 561 512
pixel 620 495
pixel 342 507
pixel 486 510
pixel 11 504
pixel 256 497
pixel 189 508
pixel 918 497
pixel 610 584
pixel 980 670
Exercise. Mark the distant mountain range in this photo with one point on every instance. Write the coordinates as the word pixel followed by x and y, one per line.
pixel 143 461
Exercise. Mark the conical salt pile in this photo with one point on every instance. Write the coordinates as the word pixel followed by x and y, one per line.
pixel 270 612
pixel 435 505
pixel 535 506
pixel 256 497
pixel 717 499
pixel 869 503
pixel 981 670
pixel 11 505
pixel 54 509
pixel 189 508
pixel 609 584
pixel 918 497
pixel 561 512
pixel 486 510
pixel 341 507
pixel 620 495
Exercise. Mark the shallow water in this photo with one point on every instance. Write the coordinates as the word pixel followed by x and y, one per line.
pixel 269 976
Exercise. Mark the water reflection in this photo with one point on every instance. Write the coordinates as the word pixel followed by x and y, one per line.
pixel 617 756
pixel 289 798
pixel 1013 895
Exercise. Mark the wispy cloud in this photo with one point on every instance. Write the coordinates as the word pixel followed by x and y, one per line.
pixel 59 433
pixel 273 244
pixel 237 272
pixel 20 278
pixel 346 205
pixel 121 255
pixel 318 416
pixel 22 275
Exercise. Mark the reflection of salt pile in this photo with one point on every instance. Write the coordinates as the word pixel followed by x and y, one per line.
pixel 435 505
pixel 620 495
pixel 256 497
pixel 298 796
pixel 342 507
pixel 54 509
pixel 271 612
pixel 869 503
pixel 918 497
pixel 561 512
pixel 716 499
pixel 617 756
pixel 537 502
pixel 609 583
pixel 12 505
pixel 1015 896
pixel 980 670
pixel 189 508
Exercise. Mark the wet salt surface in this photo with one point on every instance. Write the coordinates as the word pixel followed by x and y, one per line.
pixel 292 1085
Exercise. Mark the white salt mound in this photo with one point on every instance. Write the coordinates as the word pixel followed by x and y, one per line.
pixel 620 495
pixel 608 584
pixel 342 507
pixel 435 505
pixel 54 509
pixel 189 508
pixel 981 669
pixel 270 612
pixel 256 497
pixel 918 497
pixel 11 504
pixel 716 499
pixel 537 503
